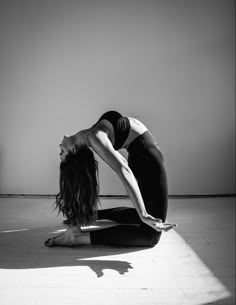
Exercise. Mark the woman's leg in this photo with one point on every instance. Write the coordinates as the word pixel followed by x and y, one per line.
pixel 108 236
pixel 73 236
pixel 120 235
pixel 133 234
pixel 146 162
pixel 152 180
pixel 123 215
pixel 126 236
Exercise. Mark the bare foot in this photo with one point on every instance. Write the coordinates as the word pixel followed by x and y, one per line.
pixel 72 237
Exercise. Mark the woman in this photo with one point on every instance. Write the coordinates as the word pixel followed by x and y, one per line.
pixel 143 176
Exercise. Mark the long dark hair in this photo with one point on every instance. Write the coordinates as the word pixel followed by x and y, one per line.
pixel 79 187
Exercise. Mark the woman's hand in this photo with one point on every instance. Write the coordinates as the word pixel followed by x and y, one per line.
pixel 157 223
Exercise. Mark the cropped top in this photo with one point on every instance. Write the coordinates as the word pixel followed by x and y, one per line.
pixel 121 126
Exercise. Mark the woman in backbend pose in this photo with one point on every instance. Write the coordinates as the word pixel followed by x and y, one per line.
pixel 143 176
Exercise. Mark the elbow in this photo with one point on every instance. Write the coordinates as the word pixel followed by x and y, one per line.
pixel 124 172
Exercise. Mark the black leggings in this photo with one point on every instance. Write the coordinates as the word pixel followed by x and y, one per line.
pixel 147 165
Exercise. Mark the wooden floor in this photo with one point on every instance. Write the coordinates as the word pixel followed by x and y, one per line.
pixel 192 265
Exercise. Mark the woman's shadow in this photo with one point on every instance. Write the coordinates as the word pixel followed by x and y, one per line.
pixel 98 266
pixel 24 249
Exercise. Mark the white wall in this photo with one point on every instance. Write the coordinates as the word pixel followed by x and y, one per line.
pixel 169 63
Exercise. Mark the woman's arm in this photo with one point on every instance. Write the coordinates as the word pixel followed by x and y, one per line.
pixel 101 144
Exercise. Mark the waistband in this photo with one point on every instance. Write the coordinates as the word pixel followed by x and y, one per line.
pixel 146 139
pixel 144 145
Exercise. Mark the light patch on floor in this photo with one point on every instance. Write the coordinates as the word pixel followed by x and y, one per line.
pixel 170 273
pixel 192 265
pixel 13 231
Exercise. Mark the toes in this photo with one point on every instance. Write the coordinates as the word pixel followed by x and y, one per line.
pixel 49 242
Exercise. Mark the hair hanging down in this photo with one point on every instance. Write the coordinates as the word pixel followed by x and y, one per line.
pixel 79 188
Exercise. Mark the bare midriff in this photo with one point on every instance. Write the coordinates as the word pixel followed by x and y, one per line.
pixel 137 128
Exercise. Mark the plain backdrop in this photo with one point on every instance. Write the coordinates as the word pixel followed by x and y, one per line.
pixel 170 63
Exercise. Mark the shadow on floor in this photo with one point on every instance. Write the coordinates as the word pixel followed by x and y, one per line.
pixel 207 226
pixel 98 266
pixel 24 249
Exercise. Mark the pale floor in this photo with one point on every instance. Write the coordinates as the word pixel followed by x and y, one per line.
pixel 192 265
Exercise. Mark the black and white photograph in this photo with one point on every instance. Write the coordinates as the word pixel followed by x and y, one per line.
pixel 117 152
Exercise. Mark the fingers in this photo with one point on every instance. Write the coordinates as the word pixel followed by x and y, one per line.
pixel 172 225
pixel 169 227
pixel 164 226
pixel 158 225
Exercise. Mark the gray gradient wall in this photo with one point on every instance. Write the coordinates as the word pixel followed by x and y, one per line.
pixel 168 63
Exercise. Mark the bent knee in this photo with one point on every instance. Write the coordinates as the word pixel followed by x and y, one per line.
pixel 153 238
